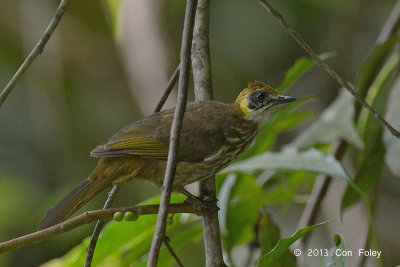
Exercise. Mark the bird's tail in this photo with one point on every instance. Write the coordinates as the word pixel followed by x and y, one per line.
pixel 85 191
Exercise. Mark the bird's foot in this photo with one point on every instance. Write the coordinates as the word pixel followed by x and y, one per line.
pixel 202 203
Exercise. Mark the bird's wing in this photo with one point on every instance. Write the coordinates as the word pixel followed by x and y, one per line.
pixel 201 136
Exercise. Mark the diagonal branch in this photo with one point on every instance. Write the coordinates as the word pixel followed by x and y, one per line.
pixel 37 50
pixel 327 68
pixel 172 252
pixel 97 229
pixel 89 217
pixel 168 89
pixel 170 170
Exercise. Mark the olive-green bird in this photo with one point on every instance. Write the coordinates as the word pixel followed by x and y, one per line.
pixel 213 134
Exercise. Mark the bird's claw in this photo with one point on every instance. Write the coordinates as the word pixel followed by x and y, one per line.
pixel 202 203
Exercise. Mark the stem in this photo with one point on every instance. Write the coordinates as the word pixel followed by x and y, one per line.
pixel 170 170
pixel 201 63
pixel 172 252
pixel 168 90
pixel 37 50
pixel 202 80
pixel 89 217
pixel 97 229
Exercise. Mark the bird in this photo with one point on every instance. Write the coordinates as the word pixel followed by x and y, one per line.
pixel 213 134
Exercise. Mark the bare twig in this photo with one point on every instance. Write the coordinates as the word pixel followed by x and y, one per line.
pixel 201 63
pixel 172 252
pixel 168 89
pixel 37 50
pixel 97 229
pixel 89 217
pixel 211 231
pixel 202 80
pixel 159 232
pixel 100 224
pixel 327 68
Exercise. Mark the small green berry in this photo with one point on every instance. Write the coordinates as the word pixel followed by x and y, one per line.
pixel 170 220
pixel 130 216
pixel 118 216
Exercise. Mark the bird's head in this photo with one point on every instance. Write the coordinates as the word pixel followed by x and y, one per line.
pixel 258 102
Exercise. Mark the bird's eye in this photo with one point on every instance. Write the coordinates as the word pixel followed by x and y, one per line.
pixel 258 99
pixel 260 96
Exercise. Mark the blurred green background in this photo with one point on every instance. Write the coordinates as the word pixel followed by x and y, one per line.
pixel 92 80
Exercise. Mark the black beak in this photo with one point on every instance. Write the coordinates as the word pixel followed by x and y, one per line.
pixel 283 99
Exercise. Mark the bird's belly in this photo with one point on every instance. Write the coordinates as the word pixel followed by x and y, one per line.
pixel 188 172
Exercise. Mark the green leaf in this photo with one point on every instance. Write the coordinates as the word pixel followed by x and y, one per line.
pixel 224 196
pixel 192 234
pixel 337 121
pixel 290 159
pixel 269 235
pixel 285 190
pixel 71 259
pixel 119 238
pixel 115 17
pixel 371 65
pixel 392 143
pixel 311 160
pixel 178 240
pixel 299 68
pixel 238 219
pixel 375 89
pixel 373 157
pixel 369 173
pixel 283 244
pixel 332 260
